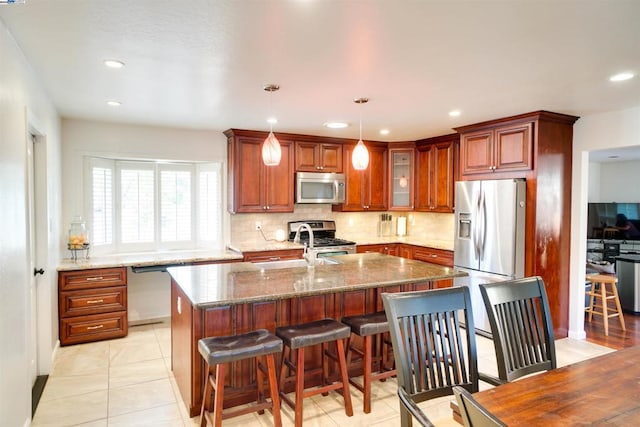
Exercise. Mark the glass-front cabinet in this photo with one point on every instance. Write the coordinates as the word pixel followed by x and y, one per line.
pixel 401 176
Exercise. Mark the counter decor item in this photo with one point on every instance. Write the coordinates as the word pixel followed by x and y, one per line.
pixel 401 226
pixel 385 225
pixel 78 242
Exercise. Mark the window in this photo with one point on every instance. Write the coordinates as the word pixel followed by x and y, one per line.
pixel 144 205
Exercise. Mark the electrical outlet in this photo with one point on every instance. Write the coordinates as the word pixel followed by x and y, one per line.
pixel 258 225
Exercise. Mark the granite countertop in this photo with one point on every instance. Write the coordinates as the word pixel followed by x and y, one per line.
pixel 145 259
pixel 237 283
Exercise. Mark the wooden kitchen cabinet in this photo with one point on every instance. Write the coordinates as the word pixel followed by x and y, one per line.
pixel 433 255
pixel 253 187
pixel 92 305
pixel 503 148
pixel 435 173
pixel 318 157
pixel 387 248
pixel 536 146
pixel 401 167
pixel 365 190
pixel 277 255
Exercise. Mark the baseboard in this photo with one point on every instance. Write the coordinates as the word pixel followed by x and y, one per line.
pixel 155 320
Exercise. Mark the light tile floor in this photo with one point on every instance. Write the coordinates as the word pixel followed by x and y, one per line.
pixel 128 382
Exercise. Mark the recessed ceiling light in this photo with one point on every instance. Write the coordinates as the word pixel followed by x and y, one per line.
pixel 384 131
pixel 272 120
pixel 621 77
pixel 335 125
pixel 454 113
pixel 113 63
pixel 114 103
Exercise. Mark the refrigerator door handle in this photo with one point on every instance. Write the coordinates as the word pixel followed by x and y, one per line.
pixel 481 244
pixel 476 231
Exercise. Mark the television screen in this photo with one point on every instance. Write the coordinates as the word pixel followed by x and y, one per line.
pixel 620 221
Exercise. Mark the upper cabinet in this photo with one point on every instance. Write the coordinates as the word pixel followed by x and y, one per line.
pixel 435 177
pixel 501 148
pixel 251 186
pixel 401 177
pixel 366 190
pixel 318 157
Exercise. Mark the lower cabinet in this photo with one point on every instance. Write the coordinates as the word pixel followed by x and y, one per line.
pixel 92 304
pixel 387 249
pixel 278 255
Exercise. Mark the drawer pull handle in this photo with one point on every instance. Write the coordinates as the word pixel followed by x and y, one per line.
pixel 434 256
pixel 93 279
pixel 95 301
pixel 95 327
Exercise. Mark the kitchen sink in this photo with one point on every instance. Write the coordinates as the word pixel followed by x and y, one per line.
pixel 292 263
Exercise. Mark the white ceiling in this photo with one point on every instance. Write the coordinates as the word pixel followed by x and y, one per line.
pixel 203 63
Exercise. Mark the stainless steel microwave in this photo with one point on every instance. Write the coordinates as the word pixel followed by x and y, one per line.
pixel 315 187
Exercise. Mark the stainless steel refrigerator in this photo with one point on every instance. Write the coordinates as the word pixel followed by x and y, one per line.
pixel 489 236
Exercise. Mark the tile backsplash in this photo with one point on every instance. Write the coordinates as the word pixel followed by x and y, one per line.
pixel 356 226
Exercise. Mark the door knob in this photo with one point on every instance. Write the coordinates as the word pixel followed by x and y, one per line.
pixel 36 271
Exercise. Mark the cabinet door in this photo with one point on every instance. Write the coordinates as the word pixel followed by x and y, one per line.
pixel 376 190
pixel 331 157
pixel 513 147
pixel 441 177
pixel 423 162
pixel 278 191
pixel 401 179
pixel 277 255
pixel 476 156
pixel 307 154
pixel 405 251
pixel 249 178
pixel 354 184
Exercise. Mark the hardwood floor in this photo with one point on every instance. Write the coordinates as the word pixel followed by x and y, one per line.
pixel 617 338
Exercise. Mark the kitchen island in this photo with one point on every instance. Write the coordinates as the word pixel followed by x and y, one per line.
pixel 228 299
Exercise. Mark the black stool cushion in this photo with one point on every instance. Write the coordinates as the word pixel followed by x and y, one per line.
pixel 217 350
pixel 367 324
pixel 306 334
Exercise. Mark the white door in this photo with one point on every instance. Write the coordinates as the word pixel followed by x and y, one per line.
pixel 34 270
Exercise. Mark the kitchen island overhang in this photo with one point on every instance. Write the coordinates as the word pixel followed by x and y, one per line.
pixel 228 299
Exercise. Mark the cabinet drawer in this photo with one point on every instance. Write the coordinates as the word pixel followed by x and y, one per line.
pixel 435 256
pixel 277 255
pixel 94 278
pixel 93 301
pixel 95 327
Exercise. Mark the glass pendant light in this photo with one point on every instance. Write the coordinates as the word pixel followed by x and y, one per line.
pixel 271 152
pixel 360 155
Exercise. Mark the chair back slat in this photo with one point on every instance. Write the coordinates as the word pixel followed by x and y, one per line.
pixel 521 326
pixel 432 351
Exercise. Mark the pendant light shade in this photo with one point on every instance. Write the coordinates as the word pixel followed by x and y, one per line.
pixel 271 152
pixel 360 155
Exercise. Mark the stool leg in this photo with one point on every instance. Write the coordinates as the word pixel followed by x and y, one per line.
pixel 345 378
pixel 219 397
pixel 605 314
pixel 273 386
pixel 299 386
pixel 259 383
pixel 367 373
pixel 206 397
pixel 617 300
pixel 324 351
pixel 283 367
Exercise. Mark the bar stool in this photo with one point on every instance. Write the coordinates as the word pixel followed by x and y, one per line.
pixel 598 289
pixel 369 326
pixel 299 337
pixel 218 351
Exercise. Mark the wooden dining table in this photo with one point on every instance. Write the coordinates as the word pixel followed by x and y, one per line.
pixel 602 391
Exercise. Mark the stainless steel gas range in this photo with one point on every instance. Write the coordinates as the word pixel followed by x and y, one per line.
pixel 325 242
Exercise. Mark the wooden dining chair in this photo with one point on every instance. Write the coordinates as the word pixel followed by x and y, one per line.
pixel 473 414
pixel 521 326
pixel 431 350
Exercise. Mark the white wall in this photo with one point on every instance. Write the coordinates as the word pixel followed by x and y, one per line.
pixel 21 96
pixel 592 132
pixel 148 293
pixel 615 181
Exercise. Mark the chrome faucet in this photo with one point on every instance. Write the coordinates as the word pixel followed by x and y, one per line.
pixel 309 256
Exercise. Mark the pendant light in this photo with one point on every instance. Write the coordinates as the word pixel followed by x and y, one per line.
pixel 360 155
pixel 271 152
